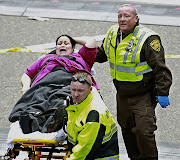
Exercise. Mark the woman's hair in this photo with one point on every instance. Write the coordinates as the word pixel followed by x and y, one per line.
pixel 73 42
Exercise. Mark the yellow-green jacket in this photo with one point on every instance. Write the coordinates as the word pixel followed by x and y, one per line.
pixel 124 59
pixel 91 130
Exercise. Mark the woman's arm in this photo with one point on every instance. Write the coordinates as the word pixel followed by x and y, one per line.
pixel 26 82
pixel 89 42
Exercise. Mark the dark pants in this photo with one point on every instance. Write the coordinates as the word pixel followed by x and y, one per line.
pixel 136 116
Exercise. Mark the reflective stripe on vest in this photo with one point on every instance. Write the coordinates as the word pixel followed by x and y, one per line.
pixel 109 158
pixel 70 139
pixel 138 69
pixel 130 44
pixel 108 37
pixel 135 50
pixel 108 136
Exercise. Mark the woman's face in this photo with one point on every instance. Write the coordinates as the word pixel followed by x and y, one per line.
pixel 64 46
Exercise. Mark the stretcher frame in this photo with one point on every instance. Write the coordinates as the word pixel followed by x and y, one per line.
pixel 38 149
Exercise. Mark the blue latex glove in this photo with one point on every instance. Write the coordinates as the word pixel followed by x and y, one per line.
pixel 163 101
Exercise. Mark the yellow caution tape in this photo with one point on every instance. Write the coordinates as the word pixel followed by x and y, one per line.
pixel 3 50
pixel 18 49
pixel 172 56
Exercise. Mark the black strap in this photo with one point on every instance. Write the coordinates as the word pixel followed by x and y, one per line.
pixel 68 102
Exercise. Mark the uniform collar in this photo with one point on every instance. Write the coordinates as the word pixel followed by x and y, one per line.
pixel 125 35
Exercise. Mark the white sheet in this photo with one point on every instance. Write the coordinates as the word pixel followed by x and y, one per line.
pixel 15 132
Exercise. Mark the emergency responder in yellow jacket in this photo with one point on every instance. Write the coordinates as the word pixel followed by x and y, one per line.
pixel 137 66
pixel 91 130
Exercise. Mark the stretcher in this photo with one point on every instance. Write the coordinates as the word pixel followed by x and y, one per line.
pixel 37 145
pixel 38 149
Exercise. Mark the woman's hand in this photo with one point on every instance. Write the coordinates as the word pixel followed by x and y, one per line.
pixel 89 42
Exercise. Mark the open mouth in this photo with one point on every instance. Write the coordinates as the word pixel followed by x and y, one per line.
pixel 62 50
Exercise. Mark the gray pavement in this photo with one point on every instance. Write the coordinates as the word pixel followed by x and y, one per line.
pixel 151 13
pixel 90 18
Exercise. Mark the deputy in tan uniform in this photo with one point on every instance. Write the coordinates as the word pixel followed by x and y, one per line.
pixel 141 77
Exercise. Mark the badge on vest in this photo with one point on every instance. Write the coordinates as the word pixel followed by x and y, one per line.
pixel 129 46
pixel 155 44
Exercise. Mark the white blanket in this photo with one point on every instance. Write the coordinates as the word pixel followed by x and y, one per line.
pixel 15 132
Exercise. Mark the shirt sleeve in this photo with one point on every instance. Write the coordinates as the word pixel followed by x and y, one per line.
pixel 154 53
pixel 88 54
pixel 92 134
pixel 33 69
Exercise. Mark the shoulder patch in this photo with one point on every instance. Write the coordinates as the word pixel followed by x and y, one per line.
pixel 155 44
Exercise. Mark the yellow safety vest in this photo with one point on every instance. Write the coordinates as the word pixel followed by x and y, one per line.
pixel 82 134
pixel 124 59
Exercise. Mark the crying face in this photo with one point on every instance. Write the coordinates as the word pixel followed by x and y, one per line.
pixel 64 46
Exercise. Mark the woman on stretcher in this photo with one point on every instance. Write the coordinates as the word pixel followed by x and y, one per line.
pixel 46 83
